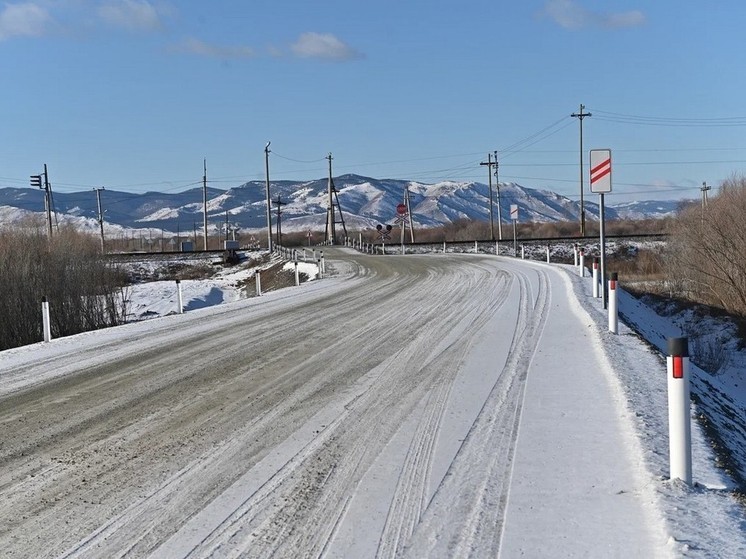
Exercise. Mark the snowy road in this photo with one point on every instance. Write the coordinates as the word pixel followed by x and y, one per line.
pixel 396 410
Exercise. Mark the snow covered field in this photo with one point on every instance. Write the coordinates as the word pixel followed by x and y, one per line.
pixel 418 406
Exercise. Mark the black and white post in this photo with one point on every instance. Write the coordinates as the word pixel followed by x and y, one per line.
pixel 297 276
pixel 679 415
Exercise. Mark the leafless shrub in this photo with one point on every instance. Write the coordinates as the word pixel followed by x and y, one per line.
pixel 68 270
pixel 707 249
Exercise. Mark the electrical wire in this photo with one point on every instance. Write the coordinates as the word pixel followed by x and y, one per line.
pixel 623 118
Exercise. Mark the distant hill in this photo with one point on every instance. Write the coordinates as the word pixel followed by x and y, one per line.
pixel 366 202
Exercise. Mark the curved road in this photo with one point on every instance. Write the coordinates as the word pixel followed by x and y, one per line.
pixel 376 416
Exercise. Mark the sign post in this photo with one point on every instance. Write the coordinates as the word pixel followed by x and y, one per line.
pixel 514 219
pixel 601 184
pixel 401 217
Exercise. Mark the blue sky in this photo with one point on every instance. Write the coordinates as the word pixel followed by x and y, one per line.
pixel 133 94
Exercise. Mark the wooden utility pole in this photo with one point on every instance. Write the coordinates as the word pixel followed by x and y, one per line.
pixel 489 163
pixel 580 116
pixel 497 187
pixel 704 188
pixel 279 203
pixel 204 202
pixel 269 209
pixel 100 217
pixel 330 220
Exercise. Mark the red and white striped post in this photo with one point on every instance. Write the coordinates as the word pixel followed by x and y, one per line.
pixel 613 313
pixel 179 297
pixel 297 277
pixel 258 276
pixel 45 320
pixel 581 268
pixel 595 278
pixel 679 416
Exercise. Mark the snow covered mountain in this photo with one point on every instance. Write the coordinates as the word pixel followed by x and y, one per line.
pixel 365 203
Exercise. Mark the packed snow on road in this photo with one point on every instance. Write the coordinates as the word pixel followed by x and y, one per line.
pixel 403 406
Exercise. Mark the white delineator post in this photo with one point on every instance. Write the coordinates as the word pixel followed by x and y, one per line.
pixel 444 247
pixel 575 254
pixel 523 252
pixel 548 259
pixel 297 277
pixel 179 297
pixel 258 276
pixel 323 263
pixel 476 247
pixel 319 272
pixel 581 266
pixel 613 314
pixel 595 278
pixel 679 416
pixel 45 320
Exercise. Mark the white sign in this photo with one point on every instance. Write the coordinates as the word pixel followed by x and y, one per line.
pixel 514 212
pixel 600 171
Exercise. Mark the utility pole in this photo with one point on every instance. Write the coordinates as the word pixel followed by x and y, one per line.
pixel 204 202
pixel 489 165
pixel 499 213
pixel 42 182
pixel 330 220
pixel 269 209
pixel 580 116
pixel 409 214
pixel 704 188
pixel 100 217
pixel 279 203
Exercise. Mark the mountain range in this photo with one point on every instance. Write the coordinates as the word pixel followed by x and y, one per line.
pixel 365 203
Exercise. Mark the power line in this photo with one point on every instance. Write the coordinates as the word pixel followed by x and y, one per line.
pixel 623 118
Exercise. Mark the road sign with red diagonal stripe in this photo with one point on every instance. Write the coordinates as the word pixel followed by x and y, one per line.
pixel 600 171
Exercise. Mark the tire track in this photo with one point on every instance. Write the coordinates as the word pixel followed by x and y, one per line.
pixel 465 516
pixel 300 516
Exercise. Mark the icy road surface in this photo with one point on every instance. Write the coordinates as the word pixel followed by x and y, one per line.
pixel 418 406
